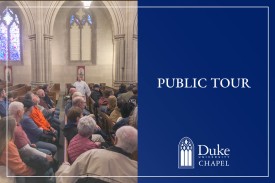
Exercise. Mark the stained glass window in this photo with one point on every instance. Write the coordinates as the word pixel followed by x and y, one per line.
pixel 3 42
pixel 80 17
pixel 14 42
pixel 89 19
pixel 8 18
pixel 83 21
pixel 72 20
pixel 16 19
pixel 9 36
pixel 80 36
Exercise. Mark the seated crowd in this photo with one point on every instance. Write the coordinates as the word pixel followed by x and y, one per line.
pixel 31 130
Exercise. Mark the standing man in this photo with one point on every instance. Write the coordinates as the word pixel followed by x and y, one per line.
pixel 82 87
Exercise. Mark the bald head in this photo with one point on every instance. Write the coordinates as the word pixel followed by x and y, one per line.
pixel 127 138
pixel 77 94
pixel 35 99
pixel 79 101
pixel 72 91
pixel 40 93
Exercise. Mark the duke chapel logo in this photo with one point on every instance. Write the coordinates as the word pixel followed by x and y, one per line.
pixel 206 156
pixel 186 153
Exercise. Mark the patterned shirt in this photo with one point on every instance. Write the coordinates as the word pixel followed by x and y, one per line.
pixel 79 145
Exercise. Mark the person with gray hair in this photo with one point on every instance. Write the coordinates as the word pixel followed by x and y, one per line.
pixel 77 101
pixel 69 103
pixel 126 139
pixel 45 107
pixel 21 140
pixel 83 141
pixel 114 161
pixel 86 126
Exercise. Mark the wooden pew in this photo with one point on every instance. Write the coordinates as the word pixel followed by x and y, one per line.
pixel 36 88
pixel 106 125
pixel 11 88
pixel 14 92
pixel 68 86
pixel 20 92
pixel 4 84
pixel 91 105
pixel 54 92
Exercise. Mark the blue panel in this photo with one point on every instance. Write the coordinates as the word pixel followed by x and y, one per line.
pixel 228 126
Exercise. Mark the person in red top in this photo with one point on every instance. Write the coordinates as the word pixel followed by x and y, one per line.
pixel 15 163
pixel 82 141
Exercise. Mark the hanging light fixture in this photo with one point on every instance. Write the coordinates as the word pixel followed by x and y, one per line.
pixel 86 4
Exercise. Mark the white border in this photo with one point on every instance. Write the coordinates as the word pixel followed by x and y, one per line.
pixel 190 7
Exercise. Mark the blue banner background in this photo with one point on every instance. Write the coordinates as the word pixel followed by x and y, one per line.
pixel 204 43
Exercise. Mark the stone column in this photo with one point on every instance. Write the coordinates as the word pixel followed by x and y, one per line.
pixel 134 69
pixel 33 58
pixel 119 67
pixel 38 62
pixel 48 58
pixel 131 43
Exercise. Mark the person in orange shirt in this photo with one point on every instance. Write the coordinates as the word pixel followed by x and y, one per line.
pixel 38 116
pixel 15 163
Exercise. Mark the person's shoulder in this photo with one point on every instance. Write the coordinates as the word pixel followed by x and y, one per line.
pixel 11 145
pixel 75 139
pixel 26 120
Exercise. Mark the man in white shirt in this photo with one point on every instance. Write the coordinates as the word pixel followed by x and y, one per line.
pixel 82 87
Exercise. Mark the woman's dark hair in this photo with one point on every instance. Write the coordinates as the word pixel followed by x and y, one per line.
pixel 108 92
pixel 122 88
pixel 126 109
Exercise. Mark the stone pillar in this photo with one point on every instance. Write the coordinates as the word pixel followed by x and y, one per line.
pixel 135 59
pixel 130 44
pixel 38 62
pixel 119 67
pixel 33 58
pixel 48 58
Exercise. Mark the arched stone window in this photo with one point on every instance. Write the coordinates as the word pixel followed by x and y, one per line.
pixel 10 36
pixel 81 36
pixel 186 153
